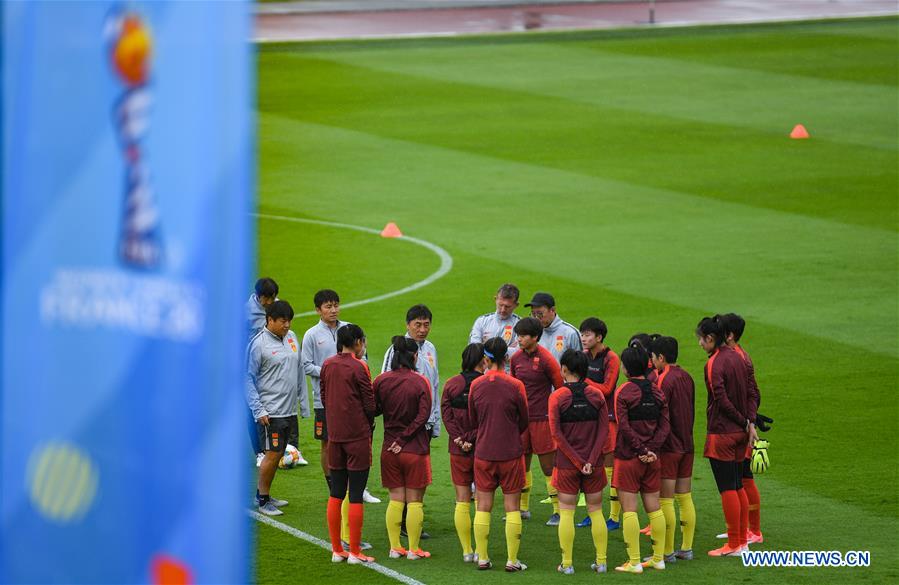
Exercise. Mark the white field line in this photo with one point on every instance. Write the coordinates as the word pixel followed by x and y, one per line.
pixel 327 546
pixel 446 261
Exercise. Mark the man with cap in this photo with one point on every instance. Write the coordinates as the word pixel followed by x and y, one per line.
pixel 558 335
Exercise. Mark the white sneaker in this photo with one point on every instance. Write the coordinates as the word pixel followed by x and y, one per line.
pixel 300 459
pixel 339 558
pixel 259 458
pixel 368 498
pixel 359 559
pixel 269 509
pixel 277 503
pixel 515 567
pixel 470 558
pixel 565 569
pixel 598 567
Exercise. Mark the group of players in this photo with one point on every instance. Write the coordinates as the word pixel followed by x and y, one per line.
pixel 534 385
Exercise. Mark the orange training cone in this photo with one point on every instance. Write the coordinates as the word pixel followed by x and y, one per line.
pixel 391 231
pixel 799 132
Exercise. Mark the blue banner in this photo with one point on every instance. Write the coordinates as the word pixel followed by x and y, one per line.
pixel 127 181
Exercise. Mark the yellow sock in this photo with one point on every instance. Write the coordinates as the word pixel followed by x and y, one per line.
pixel 553 494
pixel 462 519
pixel 345 519
pixel 630 526
pixel 415 517
pixel 566 536
pixel 687 519
pixel 481 534
pixel 394 519
pixel 600 535
pixel 614 506
pixel 513 535
pixel 526 492
pixel 667 505
pixel 657 524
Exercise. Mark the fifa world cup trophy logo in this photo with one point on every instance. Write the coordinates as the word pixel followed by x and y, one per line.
pixel 131 52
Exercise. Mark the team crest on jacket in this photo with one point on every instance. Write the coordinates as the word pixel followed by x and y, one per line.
pixel 431 359
pixel 507 333
pixel 293 345
pixel 559 343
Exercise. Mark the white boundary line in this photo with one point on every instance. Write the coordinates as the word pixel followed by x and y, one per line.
pixel 327 546
pixel 446 261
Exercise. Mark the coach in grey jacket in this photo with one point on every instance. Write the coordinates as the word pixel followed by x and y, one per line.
pixel 558 335
pixel 273 381
pixel 418 325
pixel 500 323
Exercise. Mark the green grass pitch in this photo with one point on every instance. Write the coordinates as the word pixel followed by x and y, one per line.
pixel 645 177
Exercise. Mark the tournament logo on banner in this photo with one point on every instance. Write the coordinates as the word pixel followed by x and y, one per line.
pixel 126 190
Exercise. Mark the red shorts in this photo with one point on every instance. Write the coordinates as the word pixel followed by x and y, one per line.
pixel 509 475
pixel 572 481
pixel 609 446
pixel 676 465
pixel 406 470
pixel 352 456
pixel 538 438
pixel 726 446
pixel 462 469
pixel 632 475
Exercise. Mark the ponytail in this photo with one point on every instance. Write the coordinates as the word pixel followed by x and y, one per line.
pixel 714 327
pixel 495 349
pixel 472 356
pixel 404 350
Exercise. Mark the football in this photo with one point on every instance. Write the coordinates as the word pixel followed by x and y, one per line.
pixel 290 459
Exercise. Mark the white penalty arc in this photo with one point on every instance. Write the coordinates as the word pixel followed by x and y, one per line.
pixel 446 261
pixel 327 546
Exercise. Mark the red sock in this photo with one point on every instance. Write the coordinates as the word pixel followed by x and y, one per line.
pixel 355 516
pixel 755 505
pixel 730 502
pixel 334 524
pixel 744 516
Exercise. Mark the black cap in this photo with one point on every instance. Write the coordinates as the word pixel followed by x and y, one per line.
pixel 542 299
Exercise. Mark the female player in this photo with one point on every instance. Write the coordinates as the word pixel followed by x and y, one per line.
pixel 403 396
pixel 349 403
pixel 539 371
pixel 579 422
pixel 498 407
pixel 602 372
pixel 730 416
pixel 734 326
pixel 677 452
pixel 454 406
pixel 642 429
